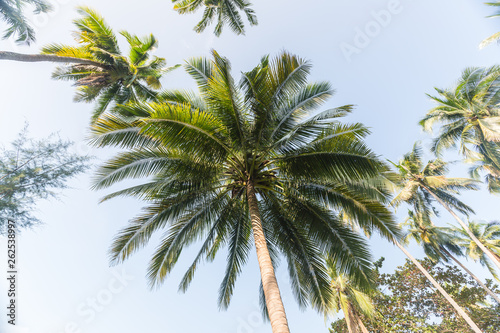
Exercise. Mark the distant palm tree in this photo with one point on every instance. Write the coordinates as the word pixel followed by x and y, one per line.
pixel 226 12
pixel 489 236
pixel 11 12
pixel 496 36
pixel 469 115
pixel 352 301
pixel 99 69
pixel 418 185
pixel 243 161
pixel 421 184
pixel 439 244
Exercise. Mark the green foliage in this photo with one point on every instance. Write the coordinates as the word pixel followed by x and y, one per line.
pixel 32 170
pixel 226 12
pixel 438 242
pixel 349 299
pixel 415 181
pixel 120 79
pixel 198 156
pixel 488 234
pixel 496 36
pixel 469 116
pixel 11 12
pixel 406 302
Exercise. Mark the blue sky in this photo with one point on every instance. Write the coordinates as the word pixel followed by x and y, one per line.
pixel 64 268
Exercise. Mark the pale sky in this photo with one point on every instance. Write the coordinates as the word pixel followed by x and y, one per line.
pixel 65 282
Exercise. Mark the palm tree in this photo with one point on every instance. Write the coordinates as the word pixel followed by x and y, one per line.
pixel 351 300
pixel 243 160
pixel 439 244
pixel 469 115
pixel 99 69
pixel 418 185
pixel 489 236
pixel 496 36
pixel 11 12
pixel 422 184
pixel 226 12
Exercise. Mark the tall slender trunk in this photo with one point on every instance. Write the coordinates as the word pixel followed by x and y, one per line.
pixel 443 292
pixel 362 326
pixel 274 303
pixel 491 293
pixel 4 55
pixel 359 322
pixel 466 228
pixel 349 320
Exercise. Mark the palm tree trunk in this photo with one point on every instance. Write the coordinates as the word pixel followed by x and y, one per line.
pixel 4 55
pixel 274 303
pixel 360 324
pixel 492 294
pixel 443 292
pixel 349 320
pixel 471 235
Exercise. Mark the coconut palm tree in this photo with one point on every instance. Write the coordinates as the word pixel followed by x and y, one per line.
pixel 421 184
pixel 351 300
pixel 226 12
pixel 496 36
pixel 11 12
pixel 99 69
pixel 489 236
pixel 418 185
pixel 469 115
pixel 248 160
pixel 438 244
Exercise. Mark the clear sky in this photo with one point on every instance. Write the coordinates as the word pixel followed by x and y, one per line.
pixel 65 282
